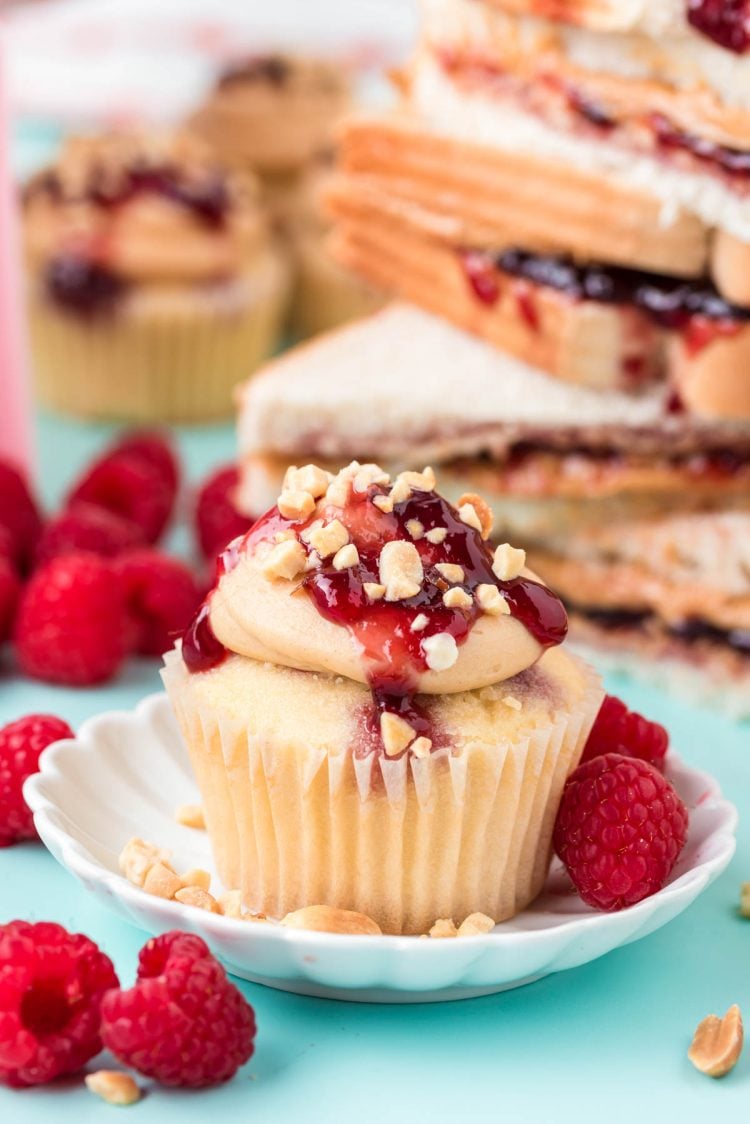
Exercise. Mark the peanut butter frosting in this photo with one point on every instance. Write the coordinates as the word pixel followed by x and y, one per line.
pixel 381 582
pixel 145 208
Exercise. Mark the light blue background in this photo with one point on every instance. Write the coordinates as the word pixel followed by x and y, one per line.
pixel 604 1042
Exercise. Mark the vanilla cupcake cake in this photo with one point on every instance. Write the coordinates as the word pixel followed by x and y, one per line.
pixel 153 283
pixel 376 706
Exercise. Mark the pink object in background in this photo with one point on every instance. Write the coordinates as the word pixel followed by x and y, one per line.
pixel 15 393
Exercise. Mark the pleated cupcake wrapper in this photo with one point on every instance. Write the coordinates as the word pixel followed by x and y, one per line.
pixel 325 294
pixel 404 841
pixel 151 359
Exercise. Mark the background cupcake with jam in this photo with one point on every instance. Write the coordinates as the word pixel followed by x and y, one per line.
pixel 154 284
pixel 276 115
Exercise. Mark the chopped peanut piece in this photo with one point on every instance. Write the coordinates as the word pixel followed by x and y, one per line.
pixel 400 570
pixel 383 503
pixel 296 505
pixel 468 515
pixel 419 623
pixel 191 815
pixel 421 747
pixel 201 899
pixel 440 651
pixel 327 919
pixel 162 882
pixel 395 732
pixel 717 1043
pixel 512 702
pixel 436 535
pixel 745 899
pixel 374 591
pixel 482 510
pixel 444 927
pixel 196 877
pixel 329 538
pixel 345 558
pixel 368 475
pixel 450 571
pixel 310 479
pixel 415 528
pixel 457 598
pixel 508 562
pixel 285 561
pixel 408 482
pixel 230 904
pixel 475 925
pixel 491 601
pixel 137 857
pixel 113 1086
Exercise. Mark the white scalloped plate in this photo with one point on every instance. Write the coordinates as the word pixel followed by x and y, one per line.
pixel 125 773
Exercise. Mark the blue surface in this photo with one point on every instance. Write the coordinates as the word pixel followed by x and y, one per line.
pixel 606 1041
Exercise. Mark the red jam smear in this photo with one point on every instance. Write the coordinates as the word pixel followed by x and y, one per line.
pixel 734 162
pixel 481 275
pixel 726 22
pixel 695 308
pixel 201 648
pixel 392 650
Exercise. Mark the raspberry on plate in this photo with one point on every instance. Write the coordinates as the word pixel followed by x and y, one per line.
pixel 136 479
pixel 619 830
pixel 21 743
pixel 51 988
pixel 88 527
pixel 619 730
pixel 71 625
pixel 217 520
pixel 161 595
pixel 19 515
pixel 183 1023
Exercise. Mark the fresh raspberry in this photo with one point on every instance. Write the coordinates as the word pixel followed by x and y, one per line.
pixel 162 597
pixel 619 830
pixel 183 1022
pixel 154 448
pixel 87 527
pixel 217 520
pixel 619 730
pixel 10 591
pixel 19 515
pixel 71 625
pixel 136 479
pixel 51 988
pixel 21 743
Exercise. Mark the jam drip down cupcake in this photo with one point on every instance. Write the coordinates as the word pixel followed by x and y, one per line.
pixel 153 282
pixel 377 709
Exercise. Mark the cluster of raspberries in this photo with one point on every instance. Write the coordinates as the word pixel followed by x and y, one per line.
pixel 87 588
pixel 182 1023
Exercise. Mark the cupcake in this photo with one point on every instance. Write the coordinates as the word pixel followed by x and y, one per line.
pixel 376 706
pixel 325 294
pixel 273 113
pixel 153 283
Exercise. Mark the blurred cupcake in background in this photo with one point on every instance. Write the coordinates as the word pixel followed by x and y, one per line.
pixel 325 294
pixel 276 115
pixel 273 114
pixel 154 283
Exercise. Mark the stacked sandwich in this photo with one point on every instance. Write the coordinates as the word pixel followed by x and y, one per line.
pixel 570 181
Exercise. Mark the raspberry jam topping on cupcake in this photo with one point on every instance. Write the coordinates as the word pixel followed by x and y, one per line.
pixel 383 582
pixel 125 209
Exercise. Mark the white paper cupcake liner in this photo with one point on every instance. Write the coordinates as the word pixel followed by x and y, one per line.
pixel 403 841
